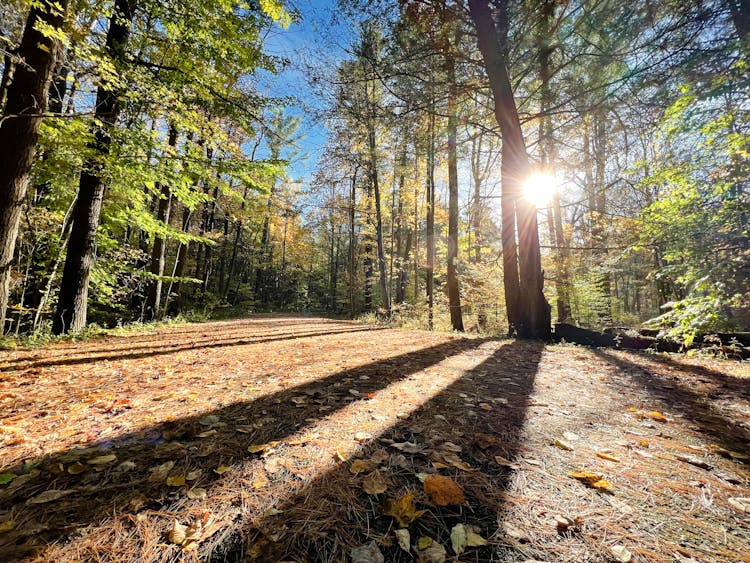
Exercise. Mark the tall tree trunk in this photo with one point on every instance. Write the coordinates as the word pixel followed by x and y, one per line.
pixel 74 287
pixel 153 299
pixel 534 311
pixel 378 221
pixel 179 264
pixel 454 297
pixel 25 102
pixel 476 208
pixel 431 219
pixel 352 243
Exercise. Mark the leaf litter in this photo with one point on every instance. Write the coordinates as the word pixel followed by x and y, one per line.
pixel 257 434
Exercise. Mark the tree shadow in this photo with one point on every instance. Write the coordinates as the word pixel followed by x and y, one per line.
pixel 728 381
pixel 93 491
pixel 325 518
pixel 171 347
pixel 691 404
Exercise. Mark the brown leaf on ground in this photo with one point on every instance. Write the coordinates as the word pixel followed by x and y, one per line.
pixel 443 491
pixel 403 509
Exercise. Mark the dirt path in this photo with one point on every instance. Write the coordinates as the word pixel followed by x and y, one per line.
pixel 291 439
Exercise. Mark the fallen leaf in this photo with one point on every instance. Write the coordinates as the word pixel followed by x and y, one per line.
pixel 564 523
pixel 513 531
pixel 473 538
pixel 603 486
pixel 160 472
pixel 458 539
pixel 408 447
pixel 360 437
pixel 338 455
pixel 403 509
pixel 222 469
pixel 403 539
pixel 193 475
pixel 443 491
pixel 49 496
pixel 7 526
pixel 457 462
pixel 424 542
pixel 255 448
pixel 197 493
pixel 379 456
pixel 485 441
pixel 206 434
pixel 586 477
pixel 261 480
pixel 643 443
pixel 102 459
pixel 607 456
pixel 6 478
pixel 656 415
pixel 178 533
pixel 562 445
pixel 367 553
pixel 500 460
pixel 433 553
pixel 374 483
pixel 176 480
pixel 209 420
pixel 740 503
pixel 621 554
pixel 359 466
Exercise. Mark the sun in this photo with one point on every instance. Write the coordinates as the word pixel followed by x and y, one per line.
pixel 539 188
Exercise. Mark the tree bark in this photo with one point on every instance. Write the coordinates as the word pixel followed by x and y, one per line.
pixel 74 287
pixel 153 300
pixel 454 296
pixel 25 102
pixel 533 310
pixel 431 220
pixel 378 221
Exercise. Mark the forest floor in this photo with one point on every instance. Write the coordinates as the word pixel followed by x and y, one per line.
pixel 307 439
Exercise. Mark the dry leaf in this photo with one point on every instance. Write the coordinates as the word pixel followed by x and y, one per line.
pixel 339 455
pixel 443 491
pixel 193 475
pixel 367 553
pixel 49 496
pixel 379 456
pixel 740 503
pixel 359 466
pixel 514 532
pixel 586 477
pixel 500 460
pixel 160 472
pixel 424 542
pixel 403 510
pixel 7 526
pixel 562 445
pixel 458 539
pixel 692 460
pixel 473 538
pixel 261 480
pixel 656 415
pixel 374 483
pixel 485 441
pixel 176 480
pixel 102 459
pixel 643 443
pixel 433 553
pixel 457 462
pixel 607 456
pixel 222 469
pixel 197 493
pixel 178 533
pixel 404 540
pixel 255 448
pixel 408 447
pixel 621 554
pixel 603 486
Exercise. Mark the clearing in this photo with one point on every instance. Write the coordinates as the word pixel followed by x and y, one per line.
pixel 289 439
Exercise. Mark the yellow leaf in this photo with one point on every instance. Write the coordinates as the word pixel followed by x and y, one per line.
pixel 178 533
pixel 222 469
pixel 176 480
pixel 260 481
pixel 7 526
pixel 643 443
pixel 656 415
pixel 607 456
pixel 403 510
pixel 585 477
pixel 443 491
pixel 197 493
pixel 338 455
pixel 603 486
pixel 424 542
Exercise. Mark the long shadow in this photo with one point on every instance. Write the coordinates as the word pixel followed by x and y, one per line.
pixel 693 405
pixel 171 348
pixel 95 495
pixel 327 517
pixel 728 381
pixel 135 341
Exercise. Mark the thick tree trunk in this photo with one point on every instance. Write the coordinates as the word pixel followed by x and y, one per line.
pixel 74 287
pixel 25 102
pixel 454 297
pixel 534 311
pixel 153 300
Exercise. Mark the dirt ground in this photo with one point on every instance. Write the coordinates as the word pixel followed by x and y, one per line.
pixel 308 439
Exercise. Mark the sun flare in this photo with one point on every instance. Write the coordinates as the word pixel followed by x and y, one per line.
pixel 539 188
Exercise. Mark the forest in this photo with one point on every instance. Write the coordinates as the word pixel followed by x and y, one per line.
pixel 375 280
pixel 591 157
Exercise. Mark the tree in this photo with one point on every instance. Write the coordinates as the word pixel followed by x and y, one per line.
pixel 533 311
pixel 25 103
